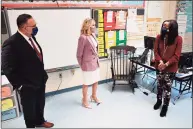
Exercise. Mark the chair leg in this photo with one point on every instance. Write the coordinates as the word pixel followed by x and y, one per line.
pixel 133 85
pixel 133 89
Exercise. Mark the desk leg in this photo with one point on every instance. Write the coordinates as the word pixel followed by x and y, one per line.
pixel 182 90
pixel 178 96
pixel 145 73
pixel 154 85
pixel 190 86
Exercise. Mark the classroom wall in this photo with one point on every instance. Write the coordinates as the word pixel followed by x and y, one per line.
pixel 72 80
pixel 168 12
pixel 4 37
pixel 73 77
pixel 172 9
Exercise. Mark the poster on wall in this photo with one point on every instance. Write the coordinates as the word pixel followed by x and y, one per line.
pixel 153 27
pixel 135 24
pixel 157 6
pixel 154 18
pixel 182 24
pixel 98 17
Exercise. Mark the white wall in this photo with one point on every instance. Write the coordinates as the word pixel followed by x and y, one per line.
pixel 4 37
pixel 70 80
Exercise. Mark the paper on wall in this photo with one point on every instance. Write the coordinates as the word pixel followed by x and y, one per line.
pixel 132 13
pixel 182 23
pixel 121 16
pixel 153 29
pixel 110 34
pixel 182 34
pixel 155 9
pixel 111 42
pixel 121 35
pixel 182 17
pixel 182 27
pixel 109 16
pixel 132 26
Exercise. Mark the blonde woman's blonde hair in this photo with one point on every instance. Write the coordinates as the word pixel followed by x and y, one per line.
pixel 86 26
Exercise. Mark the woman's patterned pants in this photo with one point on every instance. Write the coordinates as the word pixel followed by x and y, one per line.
pixel 164 85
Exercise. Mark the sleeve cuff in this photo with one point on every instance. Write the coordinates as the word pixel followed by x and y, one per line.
pixel 160 61
pixel 167 64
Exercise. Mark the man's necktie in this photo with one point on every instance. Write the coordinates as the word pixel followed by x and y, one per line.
pixel 35 48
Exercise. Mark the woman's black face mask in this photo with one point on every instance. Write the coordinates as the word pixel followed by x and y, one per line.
pixel 164 30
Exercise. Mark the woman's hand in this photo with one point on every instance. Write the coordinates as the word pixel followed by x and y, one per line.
pixel 161 66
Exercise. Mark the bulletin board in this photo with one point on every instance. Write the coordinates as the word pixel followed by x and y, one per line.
pixel 115 27
pixel 111 28
pixel 184 19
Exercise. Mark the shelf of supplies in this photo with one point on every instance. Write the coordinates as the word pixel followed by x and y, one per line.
pixel 12 95
pixel 9 109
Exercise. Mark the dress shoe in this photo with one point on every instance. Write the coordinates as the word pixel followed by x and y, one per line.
pixel 86 105
pixel 94 99
pixel 46 125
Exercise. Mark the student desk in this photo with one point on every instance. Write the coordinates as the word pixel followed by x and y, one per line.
pixel 185 80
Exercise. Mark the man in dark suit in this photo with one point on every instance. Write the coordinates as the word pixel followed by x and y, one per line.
pixel 22 64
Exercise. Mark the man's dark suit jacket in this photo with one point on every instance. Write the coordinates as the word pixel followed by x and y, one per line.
pixel 20 64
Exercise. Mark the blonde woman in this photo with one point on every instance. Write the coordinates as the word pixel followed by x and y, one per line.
pixel 88 60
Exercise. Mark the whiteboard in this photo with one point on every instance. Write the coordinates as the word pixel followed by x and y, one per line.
pixel 59 30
